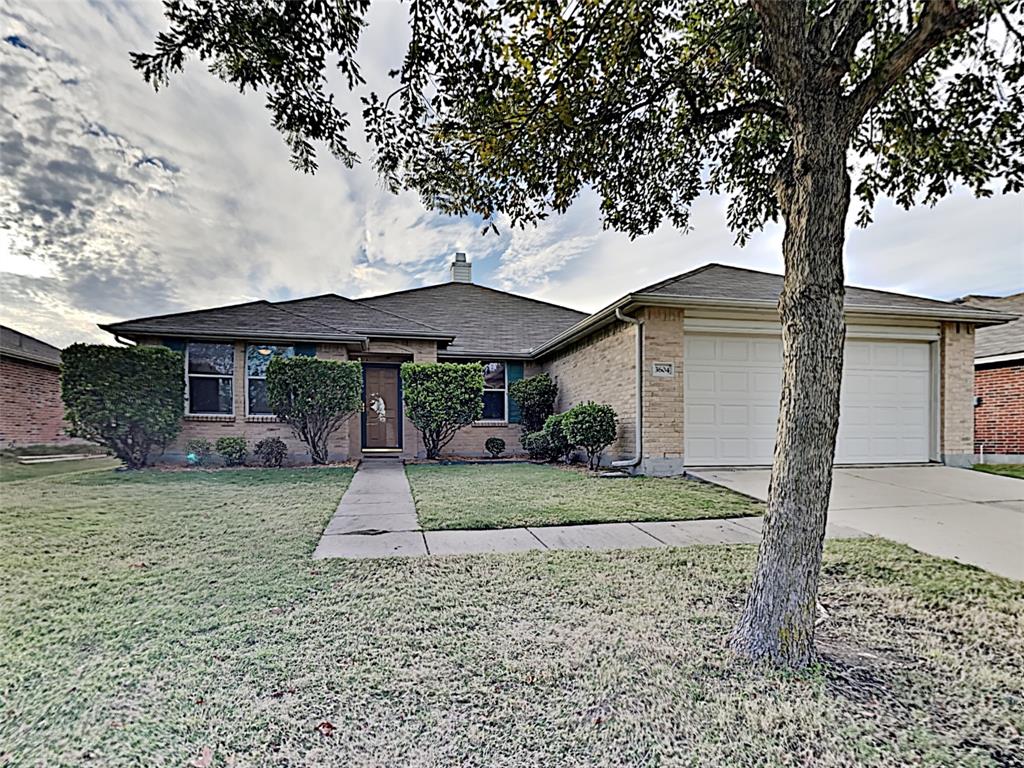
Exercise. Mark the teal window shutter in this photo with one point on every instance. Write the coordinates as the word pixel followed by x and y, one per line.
pixel 175 345
pixel 514 372
pixel 305 350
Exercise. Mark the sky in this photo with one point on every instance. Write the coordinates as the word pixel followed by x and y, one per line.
pixel 118 202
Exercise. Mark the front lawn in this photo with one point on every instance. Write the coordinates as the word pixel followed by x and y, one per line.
pixel 513 495
pixel 1009 470
pixel 145 617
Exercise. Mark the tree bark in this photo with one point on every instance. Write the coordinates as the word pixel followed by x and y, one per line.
pixel 778 619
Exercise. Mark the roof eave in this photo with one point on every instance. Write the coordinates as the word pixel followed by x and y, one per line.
pixel 29 358
pixel 601 317
pixel 1002 357
pixel 255 335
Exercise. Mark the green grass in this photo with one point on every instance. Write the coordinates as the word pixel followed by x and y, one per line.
pixel 512 495
pixel 145 616
pixel 1008 470
pixel 11 470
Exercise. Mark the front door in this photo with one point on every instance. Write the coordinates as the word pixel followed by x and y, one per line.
pixel 382 407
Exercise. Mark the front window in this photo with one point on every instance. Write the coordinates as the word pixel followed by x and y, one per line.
pixel 211 369
pixel 257 358
pixel 495 391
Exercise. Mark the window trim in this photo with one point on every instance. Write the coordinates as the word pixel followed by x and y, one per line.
pixel 188 375
pixel 504 370
pixel 269 416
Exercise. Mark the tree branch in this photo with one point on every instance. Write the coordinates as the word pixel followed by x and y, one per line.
pixel 783 24
pixel 939 21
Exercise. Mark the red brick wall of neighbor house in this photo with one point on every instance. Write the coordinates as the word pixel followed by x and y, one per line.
pixel 999 419
pixel 31 411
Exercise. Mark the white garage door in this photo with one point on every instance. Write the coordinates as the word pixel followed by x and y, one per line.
pixel 733 385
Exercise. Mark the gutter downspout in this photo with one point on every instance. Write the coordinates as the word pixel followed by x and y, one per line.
pixel 639 438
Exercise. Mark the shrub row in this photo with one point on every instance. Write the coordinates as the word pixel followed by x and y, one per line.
pixel 268 452
pixel 589 427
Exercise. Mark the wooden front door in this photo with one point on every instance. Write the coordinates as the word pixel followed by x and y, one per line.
pixel 382 411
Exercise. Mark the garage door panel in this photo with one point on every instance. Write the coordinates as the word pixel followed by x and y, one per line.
pixel 733 386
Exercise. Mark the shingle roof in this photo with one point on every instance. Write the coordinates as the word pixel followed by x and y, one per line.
pixel 482 320
pixel 328 317
pixel 720 281
pixel 20 346
pixel 999 339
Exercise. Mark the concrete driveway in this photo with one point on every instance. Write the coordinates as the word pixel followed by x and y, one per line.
pixel 960 514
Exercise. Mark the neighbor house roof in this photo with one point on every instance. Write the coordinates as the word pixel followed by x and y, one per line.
pixel 19 346
pixel 720 285
pixel 484 321
pixel 321 318
pixel 999 341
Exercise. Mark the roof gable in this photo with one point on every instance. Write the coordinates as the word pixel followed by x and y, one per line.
pixel 21 346
pixel 483 320
pixel 999 340
pixel 727 283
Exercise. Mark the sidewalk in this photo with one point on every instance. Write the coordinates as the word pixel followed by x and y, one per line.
pixel 377 518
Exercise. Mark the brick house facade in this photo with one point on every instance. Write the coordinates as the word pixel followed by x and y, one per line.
pixel 31 411
pixel 908 391
pixel 999 382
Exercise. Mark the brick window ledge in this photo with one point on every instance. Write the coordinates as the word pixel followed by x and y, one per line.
pixel 228 418
pixel 490 424
pixel 264 419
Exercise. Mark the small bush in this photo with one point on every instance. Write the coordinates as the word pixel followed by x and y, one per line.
pixel 233 450
pixel 197 451
pixel 128 399
pixel 270 451
pixel 538 446
pixel 535 397
pixel 314 397
pixel 441 399
pixel 495 446
pixel 591 427
pixel 559 445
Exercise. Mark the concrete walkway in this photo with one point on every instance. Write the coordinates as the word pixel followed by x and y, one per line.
pixel 967 516
pixel 377 518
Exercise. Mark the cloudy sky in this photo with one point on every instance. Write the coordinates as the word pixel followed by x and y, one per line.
pixel 118 202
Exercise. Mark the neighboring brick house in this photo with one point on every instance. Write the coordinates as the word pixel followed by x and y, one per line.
pixel 708 345
pixel 31 411
pixel 999 382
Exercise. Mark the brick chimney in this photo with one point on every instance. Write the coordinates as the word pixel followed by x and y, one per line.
pixel 462 270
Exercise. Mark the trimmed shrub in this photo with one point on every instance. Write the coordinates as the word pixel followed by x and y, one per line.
pixel 494 446
pixel 314 397
pixel 441 399
pixel 538 446
pixel 558 444
pixel 591 427
pixel 197 451
pixel 535 397
pixel 233 450
pixel 270 451
pixel 128 399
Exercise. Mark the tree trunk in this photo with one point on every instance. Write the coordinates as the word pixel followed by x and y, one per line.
pixel 778 619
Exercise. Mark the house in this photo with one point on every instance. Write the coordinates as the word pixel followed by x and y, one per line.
pixel 702 349
pixel 31 411
pixel 999 382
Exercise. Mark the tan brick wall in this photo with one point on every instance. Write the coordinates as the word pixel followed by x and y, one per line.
pixel 663 396
pixel 956 383
pixel 600 367
pixel 470 441
pixel 255 428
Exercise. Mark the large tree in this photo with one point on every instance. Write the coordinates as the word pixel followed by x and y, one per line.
pixel 511 108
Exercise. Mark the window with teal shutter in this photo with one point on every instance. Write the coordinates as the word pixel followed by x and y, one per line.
pixel 515 372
